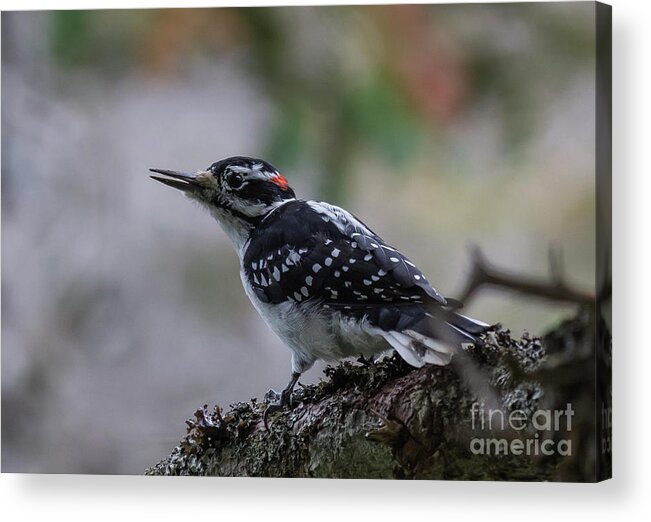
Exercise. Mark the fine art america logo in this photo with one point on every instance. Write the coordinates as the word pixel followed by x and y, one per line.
pixel 542 442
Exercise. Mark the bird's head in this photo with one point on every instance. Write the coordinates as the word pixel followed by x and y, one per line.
pixel 238 191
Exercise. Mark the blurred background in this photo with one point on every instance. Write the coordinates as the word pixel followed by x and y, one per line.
pixel 122 310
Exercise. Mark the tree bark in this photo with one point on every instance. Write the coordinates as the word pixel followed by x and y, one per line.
pixel 387 420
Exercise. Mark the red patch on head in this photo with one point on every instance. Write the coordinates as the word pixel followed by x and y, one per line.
pixel 280 181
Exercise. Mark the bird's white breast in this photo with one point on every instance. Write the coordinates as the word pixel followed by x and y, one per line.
pixel 313 332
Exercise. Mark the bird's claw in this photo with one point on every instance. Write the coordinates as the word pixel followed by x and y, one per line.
pixel 277 402
pixel 272 396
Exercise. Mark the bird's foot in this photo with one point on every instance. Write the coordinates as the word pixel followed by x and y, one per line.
pixel 276 402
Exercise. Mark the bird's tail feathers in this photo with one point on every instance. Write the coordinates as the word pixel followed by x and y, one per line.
pixel 415 352
pixel 418 350
pixel 435 340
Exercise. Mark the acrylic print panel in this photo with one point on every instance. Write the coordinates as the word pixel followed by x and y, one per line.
pixel 451 323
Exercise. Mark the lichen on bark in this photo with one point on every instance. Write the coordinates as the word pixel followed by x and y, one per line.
pixel 385 419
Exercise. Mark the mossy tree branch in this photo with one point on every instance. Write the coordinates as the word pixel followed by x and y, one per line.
pixel 388 420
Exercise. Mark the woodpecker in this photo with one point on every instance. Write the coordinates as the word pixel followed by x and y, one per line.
pixel 322 280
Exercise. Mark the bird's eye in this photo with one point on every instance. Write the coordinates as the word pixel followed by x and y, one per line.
pixel 234 180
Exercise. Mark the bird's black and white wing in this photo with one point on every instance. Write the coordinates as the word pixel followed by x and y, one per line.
pixel 316 251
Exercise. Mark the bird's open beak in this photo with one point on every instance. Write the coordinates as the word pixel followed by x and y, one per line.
pixel 179 180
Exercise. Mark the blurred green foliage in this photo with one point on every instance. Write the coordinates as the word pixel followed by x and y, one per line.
pixel 71 37
pixel 325 112
pixel 381 114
